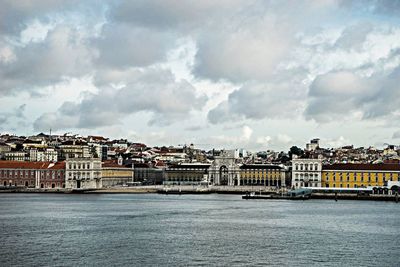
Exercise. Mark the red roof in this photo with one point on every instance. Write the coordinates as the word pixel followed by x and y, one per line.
pixel 58 166
pixel 6 164
pixel 160 163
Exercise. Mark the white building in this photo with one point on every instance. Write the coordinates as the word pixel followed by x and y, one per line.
pixel 48 154
pixel 314 144
pixel 306 173
pixel 83 173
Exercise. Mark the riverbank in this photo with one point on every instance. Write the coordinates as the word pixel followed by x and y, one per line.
pixel 181 190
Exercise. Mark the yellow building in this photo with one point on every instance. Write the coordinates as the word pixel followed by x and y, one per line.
pixel 359 175
pixel 261 174
pixel 186 174
pixel 114 174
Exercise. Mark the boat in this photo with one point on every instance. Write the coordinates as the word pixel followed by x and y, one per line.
pixel 299 194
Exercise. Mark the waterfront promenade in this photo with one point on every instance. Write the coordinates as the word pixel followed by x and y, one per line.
pixel 194 190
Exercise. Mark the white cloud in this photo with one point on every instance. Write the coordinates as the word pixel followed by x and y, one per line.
pixel 168 65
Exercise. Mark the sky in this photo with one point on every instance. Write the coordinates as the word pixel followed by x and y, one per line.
pixel 227 74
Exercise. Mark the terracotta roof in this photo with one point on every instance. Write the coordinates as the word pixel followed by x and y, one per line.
pixel 6 164
pixel 362 166
pixel 160 163
pixel 60 165
pixel 112 164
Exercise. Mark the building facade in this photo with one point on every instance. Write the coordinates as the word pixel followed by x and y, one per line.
pixel 262 174
pixel 306 173
pixel 48 154
pixel 83 173
pixel 359 175
pixel 16 156
pixel 74 149
pixel 114 174
pixel 187 174
pixel 148 174
pixel 32 174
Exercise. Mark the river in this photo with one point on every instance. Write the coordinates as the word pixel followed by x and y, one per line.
pixel 195 230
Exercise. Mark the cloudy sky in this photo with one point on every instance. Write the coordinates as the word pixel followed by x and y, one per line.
pixel 253 74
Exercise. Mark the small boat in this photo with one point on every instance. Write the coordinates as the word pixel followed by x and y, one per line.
pixel 253 195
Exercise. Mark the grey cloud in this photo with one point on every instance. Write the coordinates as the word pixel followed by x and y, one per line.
pixel 181 15
pixel 154 91
pixel 335 95
pixel 242 55
pixel 15 115
pixel 353 36
pixel 122 45
pixel 236 40
pixel 396 135
pixel 15 15
pixel 255 101
pixel 380 7
pixel 62 55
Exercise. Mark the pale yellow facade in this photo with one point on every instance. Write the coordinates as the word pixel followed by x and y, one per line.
pixel 357 178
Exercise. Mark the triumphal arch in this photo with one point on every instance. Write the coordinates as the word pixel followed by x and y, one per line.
pixel 224 170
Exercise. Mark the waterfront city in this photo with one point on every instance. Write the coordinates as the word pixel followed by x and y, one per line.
pixel 199 133
pixel 66 163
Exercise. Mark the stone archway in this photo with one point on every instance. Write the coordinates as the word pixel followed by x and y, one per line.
pixel 224 170
pixel 223 175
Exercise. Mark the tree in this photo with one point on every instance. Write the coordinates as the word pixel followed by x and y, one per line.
pixel 294 150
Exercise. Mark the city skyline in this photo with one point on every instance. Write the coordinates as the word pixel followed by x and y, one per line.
pixel 260 75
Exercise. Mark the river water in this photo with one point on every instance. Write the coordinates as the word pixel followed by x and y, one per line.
pixel 201 230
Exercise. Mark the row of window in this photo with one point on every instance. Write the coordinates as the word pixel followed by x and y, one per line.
pixel 30 174
pixel 376 174
pixel 306 167
pixel 310 180
pixel 32 183
pixel 79 166
pixel 79 174
pixel 261 170
pixel 348 185
pixel 355 179
pixel 301 184
pixel 306 175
